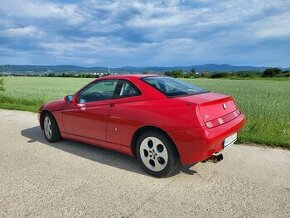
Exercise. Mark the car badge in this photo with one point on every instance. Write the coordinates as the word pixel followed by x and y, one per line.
pixel 225 106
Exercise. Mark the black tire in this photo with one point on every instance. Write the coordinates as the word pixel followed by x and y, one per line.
pixel 167 168
pixel 54 134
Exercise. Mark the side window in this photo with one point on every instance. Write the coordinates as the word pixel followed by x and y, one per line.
pixel 128 90
pixel 98 91
pixel 161 85
pixel 154 84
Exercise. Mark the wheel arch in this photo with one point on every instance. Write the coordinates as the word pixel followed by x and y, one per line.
pixel 143 129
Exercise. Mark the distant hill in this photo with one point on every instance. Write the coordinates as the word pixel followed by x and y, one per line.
pixel 24 69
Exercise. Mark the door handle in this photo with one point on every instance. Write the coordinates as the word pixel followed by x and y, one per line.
pixel 82 107
pixel 112 105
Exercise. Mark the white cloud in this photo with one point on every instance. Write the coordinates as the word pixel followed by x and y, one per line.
pixel 42 10
pixel 273 27
pixel 21 31
pixel 94 45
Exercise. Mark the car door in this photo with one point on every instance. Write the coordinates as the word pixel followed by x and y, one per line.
pixel 88 115
pixel 124 109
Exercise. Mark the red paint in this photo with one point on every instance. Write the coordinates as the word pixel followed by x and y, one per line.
pixel 112 123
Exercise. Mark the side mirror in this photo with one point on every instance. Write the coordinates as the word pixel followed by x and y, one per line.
pixel 68 98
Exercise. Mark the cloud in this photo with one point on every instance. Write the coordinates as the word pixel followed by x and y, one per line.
pixel 42 10
pixel 21 31
pixel 274 27
pixel 153 32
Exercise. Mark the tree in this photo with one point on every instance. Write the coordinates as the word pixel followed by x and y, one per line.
pixel 271 72
pixel 1 84
pixel 167 73
pixel 174 73
pixel 177 73
pixel 192 73
pixel 187 75
pixel 51 74
pixel 286 73
pixel 220 75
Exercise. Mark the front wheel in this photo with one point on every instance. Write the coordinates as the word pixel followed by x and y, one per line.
pixel 50 128
pixel 157 154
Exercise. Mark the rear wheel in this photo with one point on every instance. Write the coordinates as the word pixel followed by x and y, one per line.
pixel 157 154
pixel 50 128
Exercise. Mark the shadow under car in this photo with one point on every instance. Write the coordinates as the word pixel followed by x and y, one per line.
pixel 93 153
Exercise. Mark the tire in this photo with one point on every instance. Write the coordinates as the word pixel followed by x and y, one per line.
pixel 50 128
pixel 157 154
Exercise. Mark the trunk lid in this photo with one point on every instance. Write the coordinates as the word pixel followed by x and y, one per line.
pixel 212 105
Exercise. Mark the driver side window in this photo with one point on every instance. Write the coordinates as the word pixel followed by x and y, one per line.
pixel 98 91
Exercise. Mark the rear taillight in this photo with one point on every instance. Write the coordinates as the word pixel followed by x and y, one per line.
pixel 224 119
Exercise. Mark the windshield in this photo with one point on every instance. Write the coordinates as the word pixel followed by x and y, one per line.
pixel 173 87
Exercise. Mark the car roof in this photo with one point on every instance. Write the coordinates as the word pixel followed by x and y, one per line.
pixel 127 76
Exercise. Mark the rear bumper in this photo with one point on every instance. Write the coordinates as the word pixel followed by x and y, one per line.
pixel 195 145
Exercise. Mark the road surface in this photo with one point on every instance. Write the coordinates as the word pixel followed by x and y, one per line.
pixel 68 179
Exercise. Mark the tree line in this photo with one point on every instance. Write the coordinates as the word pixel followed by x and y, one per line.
pixel 53 74
pixel 82 75
pixel 269 72
pixel 275 72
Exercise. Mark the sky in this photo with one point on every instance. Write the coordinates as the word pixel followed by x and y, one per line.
pixel 115 33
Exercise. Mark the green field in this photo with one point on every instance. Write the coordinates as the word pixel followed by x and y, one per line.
pixel 265 103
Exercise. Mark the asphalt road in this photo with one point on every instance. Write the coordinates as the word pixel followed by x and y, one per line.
pixel 74 179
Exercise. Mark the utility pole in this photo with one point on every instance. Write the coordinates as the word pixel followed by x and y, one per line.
pixel 109 70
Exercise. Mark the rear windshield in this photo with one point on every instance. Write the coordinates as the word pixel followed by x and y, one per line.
pixel 173 87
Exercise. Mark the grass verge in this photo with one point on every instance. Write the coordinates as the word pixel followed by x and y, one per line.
pixel 7 102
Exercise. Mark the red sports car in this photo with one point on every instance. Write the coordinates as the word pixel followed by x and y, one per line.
pixel 163 121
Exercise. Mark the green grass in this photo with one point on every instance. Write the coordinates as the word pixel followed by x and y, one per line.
pixel 265 103
pixel 28 93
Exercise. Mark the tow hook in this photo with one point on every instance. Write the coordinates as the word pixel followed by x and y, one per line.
pixel 216 158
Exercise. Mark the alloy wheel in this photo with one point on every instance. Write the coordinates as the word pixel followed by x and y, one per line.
pixel 47 127
pixel 153 154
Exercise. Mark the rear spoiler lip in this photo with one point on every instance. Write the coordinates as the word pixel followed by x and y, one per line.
pixel 219 100
pixel 198 99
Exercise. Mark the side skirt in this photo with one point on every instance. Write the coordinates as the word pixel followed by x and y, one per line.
pixel 107 145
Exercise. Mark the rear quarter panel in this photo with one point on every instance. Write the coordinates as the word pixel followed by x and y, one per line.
pixel 167 114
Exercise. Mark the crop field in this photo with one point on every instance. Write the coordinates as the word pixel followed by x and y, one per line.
pixel 265 103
